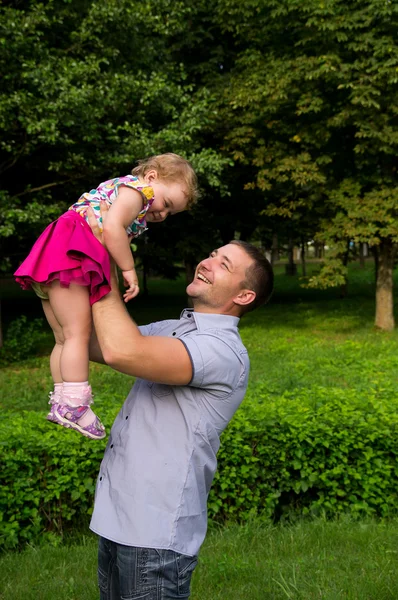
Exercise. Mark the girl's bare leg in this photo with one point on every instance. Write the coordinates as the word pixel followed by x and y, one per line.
pixel 56 395
pixel 71 309
pixel 55 358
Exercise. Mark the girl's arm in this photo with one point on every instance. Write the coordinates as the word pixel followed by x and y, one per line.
pixel 158 359
pixel 120 215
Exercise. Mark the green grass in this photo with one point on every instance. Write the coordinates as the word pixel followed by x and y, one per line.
pixel 307 561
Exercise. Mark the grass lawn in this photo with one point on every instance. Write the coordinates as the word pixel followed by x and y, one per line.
pixel 307 561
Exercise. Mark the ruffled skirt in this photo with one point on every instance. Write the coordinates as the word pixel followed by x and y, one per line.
pixel 67 250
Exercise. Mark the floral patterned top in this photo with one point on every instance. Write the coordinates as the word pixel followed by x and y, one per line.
pixel 108 191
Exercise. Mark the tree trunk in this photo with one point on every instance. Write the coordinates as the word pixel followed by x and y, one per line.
pixel 384 287
pixel 291 267
pixel 344 286
pixel 318 249
pixel 362 254
pixel 274 249
pixel 303 265
pixel 375 252
pixel 1 329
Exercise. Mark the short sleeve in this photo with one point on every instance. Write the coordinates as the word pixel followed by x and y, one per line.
pixel 157 328
pixel 216 365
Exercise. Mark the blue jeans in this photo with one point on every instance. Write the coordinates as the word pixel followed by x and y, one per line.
pixel 129 573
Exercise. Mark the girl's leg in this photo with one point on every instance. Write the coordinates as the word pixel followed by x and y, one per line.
pixel 72 310
pixel 55 358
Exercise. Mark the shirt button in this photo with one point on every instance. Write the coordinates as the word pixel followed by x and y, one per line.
pixel 111 445
pixel 173 333
pixel 127 417
pixel 189 314
pixel 100 478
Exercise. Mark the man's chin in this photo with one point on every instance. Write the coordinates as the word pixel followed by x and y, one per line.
pixel 190 289
pixel 193 289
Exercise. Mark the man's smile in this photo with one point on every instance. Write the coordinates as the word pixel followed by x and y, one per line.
pixel 203 278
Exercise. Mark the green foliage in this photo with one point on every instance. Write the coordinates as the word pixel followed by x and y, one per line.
pixel 326 451
pixel 47 478
pixel 310 99
pixel 22 339
pixel 87 89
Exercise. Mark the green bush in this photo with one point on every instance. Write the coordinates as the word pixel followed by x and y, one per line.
pixel 47 478
pixel 324 451
pixel 22 339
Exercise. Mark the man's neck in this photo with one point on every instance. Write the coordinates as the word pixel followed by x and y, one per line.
pixel 227 311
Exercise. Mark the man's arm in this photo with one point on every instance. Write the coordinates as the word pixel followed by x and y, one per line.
pixel 124 348
pixel 95 354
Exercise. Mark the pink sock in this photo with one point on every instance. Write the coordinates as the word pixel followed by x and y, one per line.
pixel 58 387
pixel 79 394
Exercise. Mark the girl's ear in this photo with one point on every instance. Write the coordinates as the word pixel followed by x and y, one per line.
pixel 150 176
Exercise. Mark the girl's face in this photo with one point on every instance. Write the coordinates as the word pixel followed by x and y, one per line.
pixel 170 198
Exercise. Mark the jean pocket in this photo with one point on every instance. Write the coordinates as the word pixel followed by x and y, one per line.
pixel 102 580
pixel 185 568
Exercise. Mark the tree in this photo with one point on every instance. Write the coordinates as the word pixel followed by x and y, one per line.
pixel 87 89
pixel 311 104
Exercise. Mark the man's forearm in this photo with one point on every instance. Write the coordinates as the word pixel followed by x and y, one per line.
pixel 160 359
pixel 116 332
pixel 95 354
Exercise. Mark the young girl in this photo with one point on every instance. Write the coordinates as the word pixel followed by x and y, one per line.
pixel 69 270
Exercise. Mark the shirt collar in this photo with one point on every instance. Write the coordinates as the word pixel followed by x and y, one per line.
pixel 210 321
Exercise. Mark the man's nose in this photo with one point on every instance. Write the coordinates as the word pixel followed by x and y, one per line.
pixel 205 263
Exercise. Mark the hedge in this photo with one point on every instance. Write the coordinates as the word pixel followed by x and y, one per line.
pixel 327 452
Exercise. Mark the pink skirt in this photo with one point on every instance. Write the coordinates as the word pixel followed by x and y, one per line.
pixel 67 250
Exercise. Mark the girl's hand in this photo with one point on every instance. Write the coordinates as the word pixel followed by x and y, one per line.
pixel 131 282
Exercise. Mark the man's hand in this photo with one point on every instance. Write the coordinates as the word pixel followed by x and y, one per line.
pixel 95 228
pixel 92 220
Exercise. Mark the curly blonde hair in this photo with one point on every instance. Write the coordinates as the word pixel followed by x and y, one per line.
pixel 171 167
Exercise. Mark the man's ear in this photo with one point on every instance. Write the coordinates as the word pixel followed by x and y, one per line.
pixel 245 297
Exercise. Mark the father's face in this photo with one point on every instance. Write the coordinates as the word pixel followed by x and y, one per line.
pixel 218 283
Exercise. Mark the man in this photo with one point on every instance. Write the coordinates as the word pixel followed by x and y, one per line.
pixel 150 506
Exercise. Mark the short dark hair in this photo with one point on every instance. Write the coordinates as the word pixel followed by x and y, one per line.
pixel 259 276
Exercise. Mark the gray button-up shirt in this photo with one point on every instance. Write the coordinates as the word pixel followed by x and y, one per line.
pixel 160 459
